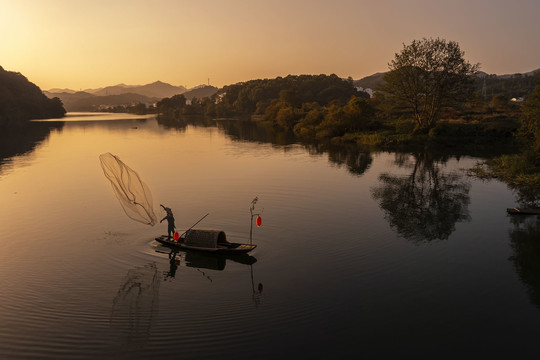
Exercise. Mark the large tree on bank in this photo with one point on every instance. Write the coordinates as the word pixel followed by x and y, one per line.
pixel 427 75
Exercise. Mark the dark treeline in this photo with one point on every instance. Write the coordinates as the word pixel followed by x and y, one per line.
pixel 137 109
pixel 514 86
pixel 317 106
pixel 522 170
pixel 21 100
pixel 326 107
pixel 431 96
pixel 486 85
pixel 255 96
pixel 335 111
pixel 82 101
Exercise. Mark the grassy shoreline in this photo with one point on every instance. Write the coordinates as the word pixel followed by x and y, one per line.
pixel 514 169
pixel 446 134
pixel 506 161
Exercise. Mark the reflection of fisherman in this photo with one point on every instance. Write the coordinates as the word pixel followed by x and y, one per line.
pixel 170 220
pixel 173 261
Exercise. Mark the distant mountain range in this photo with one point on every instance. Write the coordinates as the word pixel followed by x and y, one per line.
pixel 156 89
pixel 83 101
pixel 507 76
pixel 511 85
pixel 121 94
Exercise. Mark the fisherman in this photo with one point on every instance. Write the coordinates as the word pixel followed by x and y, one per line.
pixel 170 221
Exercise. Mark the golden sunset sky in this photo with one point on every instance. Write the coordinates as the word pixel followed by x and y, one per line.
pixel 81 44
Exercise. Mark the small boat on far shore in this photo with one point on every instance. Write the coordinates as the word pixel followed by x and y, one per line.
pixel 213 241
pixel 523 211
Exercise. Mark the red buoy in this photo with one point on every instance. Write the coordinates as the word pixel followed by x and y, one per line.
pixel 260 287
pixel 176 236
pixel 258 221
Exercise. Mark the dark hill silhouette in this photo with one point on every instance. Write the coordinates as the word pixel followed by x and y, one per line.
pixel 118 95
pixel 70 100
pixel 201 92
pixel 83 101
pixel 375 81
pixel 21 100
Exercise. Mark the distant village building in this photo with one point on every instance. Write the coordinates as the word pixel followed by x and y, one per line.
pixel 517 100
pixel 367 90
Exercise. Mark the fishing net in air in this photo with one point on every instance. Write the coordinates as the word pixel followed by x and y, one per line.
pixel 132 193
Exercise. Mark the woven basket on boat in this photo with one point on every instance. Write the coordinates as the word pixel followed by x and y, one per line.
pixel 205 238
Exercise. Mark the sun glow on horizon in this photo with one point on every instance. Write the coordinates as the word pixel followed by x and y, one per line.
pixel 91 44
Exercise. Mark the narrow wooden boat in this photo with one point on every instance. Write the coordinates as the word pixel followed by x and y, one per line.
pixel 213 241
pixel 523 211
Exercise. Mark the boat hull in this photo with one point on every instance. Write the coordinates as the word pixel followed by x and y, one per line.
pixel 523 211
pixel 229 248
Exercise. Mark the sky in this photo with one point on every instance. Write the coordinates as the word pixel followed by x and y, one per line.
pixel 80 44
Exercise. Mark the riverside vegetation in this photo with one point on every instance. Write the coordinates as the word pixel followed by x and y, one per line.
pixel 431 98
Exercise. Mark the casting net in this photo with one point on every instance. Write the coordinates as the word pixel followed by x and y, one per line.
pixel 132 193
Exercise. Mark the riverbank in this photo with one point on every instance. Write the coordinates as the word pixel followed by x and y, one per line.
pixel 518 171
pixel 401 134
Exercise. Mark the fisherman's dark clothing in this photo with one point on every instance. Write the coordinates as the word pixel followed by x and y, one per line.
pixel 170 222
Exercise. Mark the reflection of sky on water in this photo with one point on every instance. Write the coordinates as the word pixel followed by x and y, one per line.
pixel 332 266
pixel 96 116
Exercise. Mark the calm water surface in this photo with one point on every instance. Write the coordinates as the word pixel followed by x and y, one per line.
pixel 360 254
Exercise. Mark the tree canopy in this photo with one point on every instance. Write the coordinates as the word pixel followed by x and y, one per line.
pixel 255 96
pixel 22 100
pixel 313 106
pixel 427 75
pixel 530 123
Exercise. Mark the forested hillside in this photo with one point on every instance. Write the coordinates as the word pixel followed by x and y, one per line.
pixel 255 96
pixel 21 100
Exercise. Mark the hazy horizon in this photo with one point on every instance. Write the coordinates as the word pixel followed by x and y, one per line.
pixel 201 85
pixel 89 45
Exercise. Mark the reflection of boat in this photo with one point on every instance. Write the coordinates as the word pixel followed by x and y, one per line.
pixel 212 261
pixel 203 260
pixel 213 241
pixel 523 211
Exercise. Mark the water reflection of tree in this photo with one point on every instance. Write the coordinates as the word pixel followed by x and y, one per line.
pixel 527 196
pixel 426 204
pixel 254 132
pixel 171 122
pixel 525 241
pixel 356 159
pixel 24 138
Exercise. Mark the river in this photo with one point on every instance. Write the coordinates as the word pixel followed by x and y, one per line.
pixel 360 254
